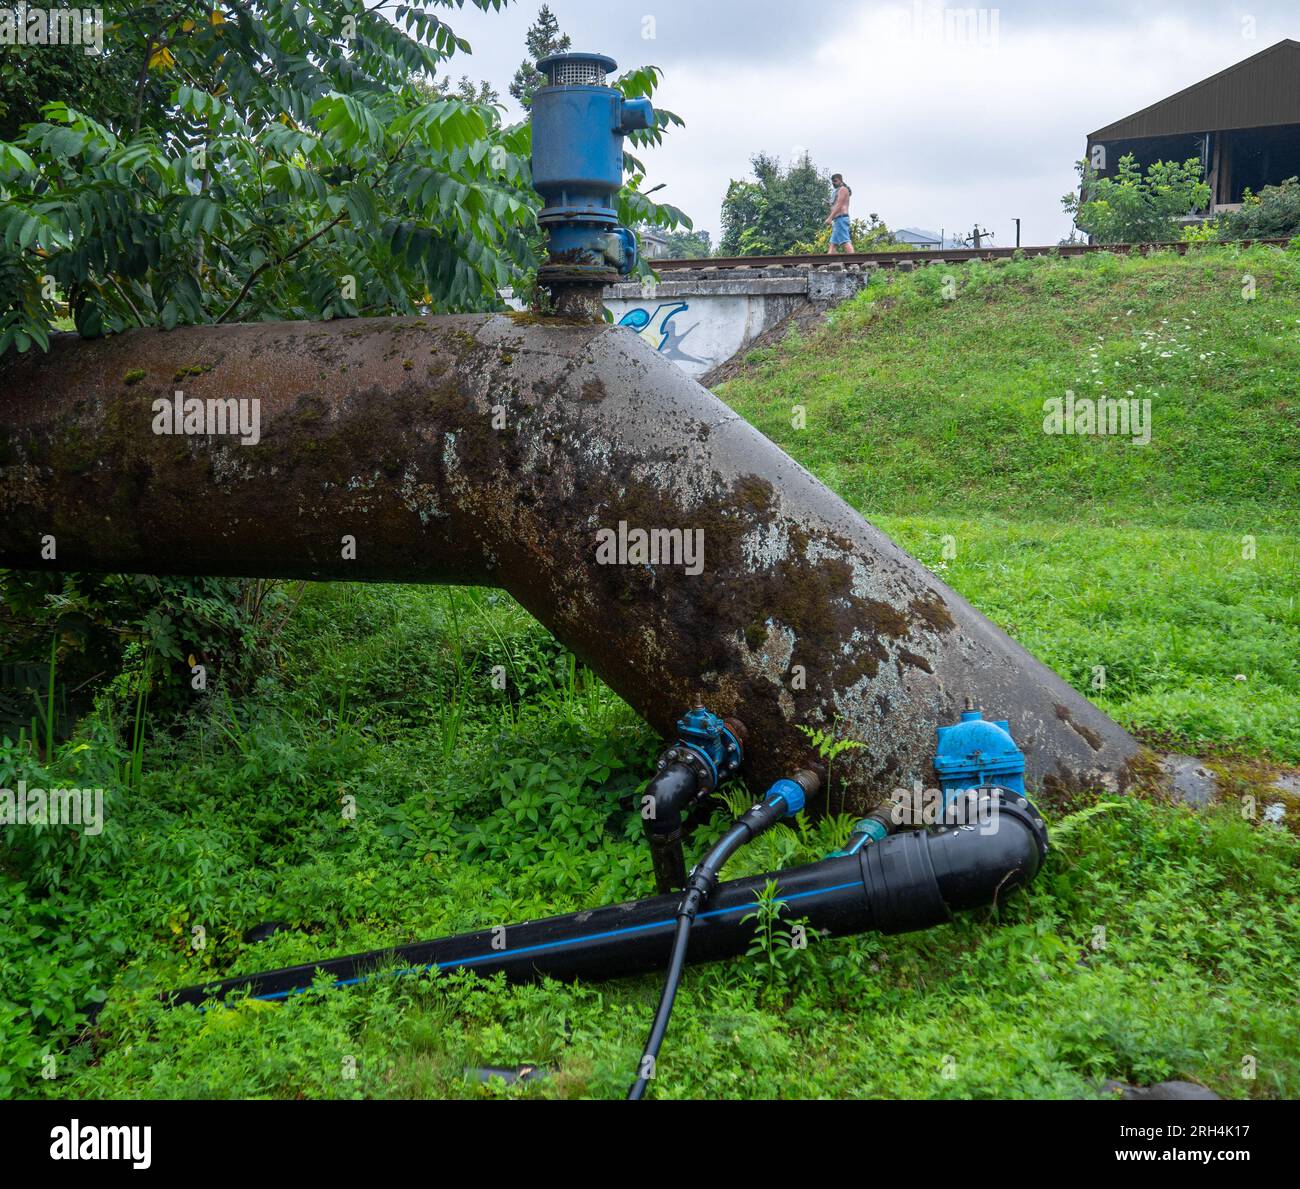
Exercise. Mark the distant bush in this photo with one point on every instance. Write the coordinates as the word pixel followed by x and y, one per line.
pixel 783 206
pixel 1274 213
pixel 688 245
pixel 1132 208
pixel 1202 233
pixel 868 235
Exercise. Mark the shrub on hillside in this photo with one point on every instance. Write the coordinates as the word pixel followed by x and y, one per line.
pixel 868 235
pixel 1134 208
pixel 1273 213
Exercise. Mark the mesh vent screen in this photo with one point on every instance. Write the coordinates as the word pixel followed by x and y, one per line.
pixel 577 74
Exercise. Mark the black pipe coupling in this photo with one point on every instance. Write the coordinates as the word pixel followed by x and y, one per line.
pixel 785 799
pixel 919 879
pixel 707 752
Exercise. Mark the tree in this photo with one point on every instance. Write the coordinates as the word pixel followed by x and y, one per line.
pixel 688 245
pixel 467 90
pixel 104 83
pixel 777 210
pixel 293 159
pixel 1131 208
pixel 544 39
pixel 304 170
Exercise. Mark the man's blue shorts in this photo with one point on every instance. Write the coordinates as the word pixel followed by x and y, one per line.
pixel 840 231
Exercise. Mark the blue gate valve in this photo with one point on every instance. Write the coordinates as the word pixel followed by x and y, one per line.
pixel 579 124
pixel 976 754
pixel 710 742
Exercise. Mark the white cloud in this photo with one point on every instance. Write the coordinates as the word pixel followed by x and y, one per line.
pixel 929 131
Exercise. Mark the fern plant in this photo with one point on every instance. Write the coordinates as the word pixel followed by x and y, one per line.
pixel 829 747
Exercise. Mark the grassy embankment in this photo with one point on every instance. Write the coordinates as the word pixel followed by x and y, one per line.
pixel 1158 943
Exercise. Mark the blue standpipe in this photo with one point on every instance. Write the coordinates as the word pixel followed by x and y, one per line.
pixel 579 126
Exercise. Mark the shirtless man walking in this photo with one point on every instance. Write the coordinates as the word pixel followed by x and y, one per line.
pixel 838 220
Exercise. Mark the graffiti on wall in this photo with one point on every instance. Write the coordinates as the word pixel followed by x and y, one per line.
pixel 658 330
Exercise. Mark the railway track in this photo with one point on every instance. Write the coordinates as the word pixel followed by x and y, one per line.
pixel 924 256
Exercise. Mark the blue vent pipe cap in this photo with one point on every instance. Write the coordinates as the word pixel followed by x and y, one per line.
pixel 565 70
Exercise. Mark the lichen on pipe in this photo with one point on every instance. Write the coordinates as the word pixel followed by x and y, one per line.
pixel 661 537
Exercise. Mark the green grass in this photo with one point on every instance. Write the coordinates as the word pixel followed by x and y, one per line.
pixel 916 404
pixel 239 821
pixel 1158 942
pixel 1174 617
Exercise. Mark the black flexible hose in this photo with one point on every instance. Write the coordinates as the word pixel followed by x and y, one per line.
pixel 786 798
pixel 659 1029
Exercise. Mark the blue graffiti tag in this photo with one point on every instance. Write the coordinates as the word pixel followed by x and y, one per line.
pixel 657 330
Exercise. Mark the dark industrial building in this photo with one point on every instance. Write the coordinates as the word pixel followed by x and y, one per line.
pixel 1243 123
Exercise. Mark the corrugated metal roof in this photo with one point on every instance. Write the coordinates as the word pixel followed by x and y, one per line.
pixel 1263 90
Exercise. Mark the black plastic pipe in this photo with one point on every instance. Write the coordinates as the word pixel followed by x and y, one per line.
pixel 673 791
pixel 905 883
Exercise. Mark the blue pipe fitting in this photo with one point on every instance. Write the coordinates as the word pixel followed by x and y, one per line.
pixel 638 116
pixel 579 124
pixel 707 752
pixel 868 831
pixel 975 754
pixel 788 794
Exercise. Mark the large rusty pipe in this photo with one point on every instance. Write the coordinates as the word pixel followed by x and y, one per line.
pixel 508 450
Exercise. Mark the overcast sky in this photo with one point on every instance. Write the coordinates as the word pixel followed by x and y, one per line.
pixel 931 128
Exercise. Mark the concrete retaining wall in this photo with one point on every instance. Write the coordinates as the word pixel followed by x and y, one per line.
pixel 700 319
